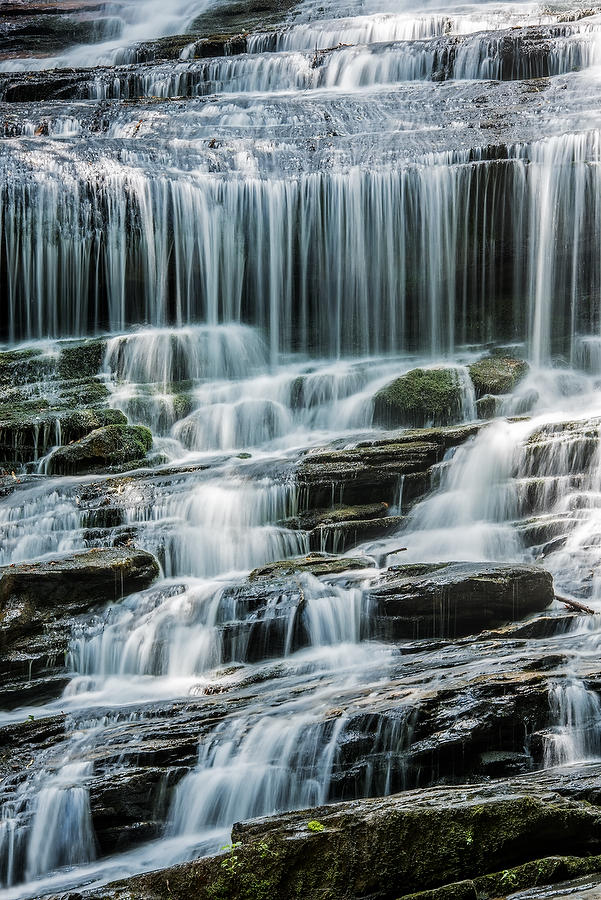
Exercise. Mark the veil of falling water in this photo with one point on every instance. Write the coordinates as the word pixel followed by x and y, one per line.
pixel 306 222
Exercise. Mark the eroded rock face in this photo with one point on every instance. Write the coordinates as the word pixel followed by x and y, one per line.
pixel 34 594
pixel 373 471
pixel 453 843
pixel 38 606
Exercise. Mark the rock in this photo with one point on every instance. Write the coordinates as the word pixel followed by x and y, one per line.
pixel 452 599
pixel 104 448
pixel 81 359
pixel 28 431
pixel 337 529
pixel 422 397
pixel 489 406
pixel 375 471
pixel 336 515
pixel 444 841
pixel 342 536
pixel 497 375
pixel 314 564
pixel 34 595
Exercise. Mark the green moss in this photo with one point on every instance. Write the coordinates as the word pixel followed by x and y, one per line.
pixel 103 448
pixel 81 360
pixel 496 375
pixel 419 398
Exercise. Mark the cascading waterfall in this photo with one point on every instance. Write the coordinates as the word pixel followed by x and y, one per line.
pixel 259 242
pixel 175 248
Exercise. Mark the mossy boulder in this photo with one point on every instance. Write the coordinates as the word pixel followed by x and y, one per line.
pixel 314 564
pixel 81 360
pixel 422 397
pixel 105 448
pixel 497 375
pixel 28 430
pixel 433 840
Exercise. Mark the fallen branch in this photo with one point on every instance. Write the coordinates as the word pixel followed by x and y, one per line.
pixel 574 604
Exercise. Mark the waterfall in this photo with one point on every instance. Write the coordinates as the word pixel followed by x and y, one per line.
pixel 240 228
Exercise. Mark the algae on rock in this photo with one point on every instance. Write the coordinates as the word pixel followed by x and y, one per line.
pixel 422 397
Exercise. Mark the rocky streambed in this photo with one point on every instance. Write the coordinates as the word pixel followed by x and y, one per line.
pixel 300 441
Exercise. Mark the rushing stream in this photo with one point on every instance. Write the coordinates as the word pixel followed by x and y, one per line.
pixel 263 240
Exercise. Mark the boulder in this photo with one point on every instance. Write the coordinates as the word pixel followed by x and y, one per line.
pixel 34 595
pixel 453 599
pixel 469 842
pixel 422 397
pixel 104 448
pixel 29 430
pixel 496 375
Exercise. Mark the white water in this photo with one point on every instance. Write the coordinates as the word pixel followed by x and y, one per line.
pixel 276 273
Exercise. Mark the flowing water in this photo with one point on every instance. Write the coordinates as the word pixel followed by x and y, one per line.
pixel 265 239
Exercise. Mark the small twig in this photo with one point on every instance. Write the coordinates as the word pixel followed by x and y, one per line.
pixel 574 604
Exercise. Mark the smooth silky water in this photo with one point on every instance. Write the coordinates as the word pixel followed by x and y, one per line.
pixel 238 269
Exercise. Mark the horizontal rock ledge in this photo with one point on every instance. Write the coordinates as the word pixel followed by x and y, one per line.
pixel 393 848
pixel 33 595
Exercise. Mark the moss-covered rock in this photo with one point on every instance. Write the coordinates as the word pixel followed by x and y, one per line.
pixel 81 359
pixel 497 375
pixel 30 429
pixel 445 841
pixel 422 397
pixel 102 449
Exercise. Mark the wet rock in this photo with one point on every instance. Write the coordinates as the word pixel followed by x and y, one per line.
pixel 309 520
pixel 451 599
pixel 421 840
pixel 29 430
pixel 81 359
pixel 342 536
pixel 422 397
pixel 496 375
pixel 377 471
pixel 34 595
pixel 104 448
pixel 339 528
pixel 315 564
pixel 489 406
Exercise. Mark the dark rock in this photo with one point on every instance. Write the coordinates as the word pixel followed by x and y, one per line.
pixel 451 599
pixel 34 595
pixel 420 840
pixel 489 406
pixel 497 375
pixel 342 536
pixel 375 471
pixel 422 397
pixel 104 448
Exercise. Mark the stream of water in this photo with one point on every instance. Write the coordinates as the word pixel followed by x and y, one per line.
pixel 322 210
